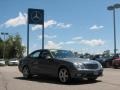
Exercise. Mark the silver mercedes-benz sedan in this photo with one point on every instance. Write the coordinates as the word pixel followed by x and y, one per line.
pixel 59 63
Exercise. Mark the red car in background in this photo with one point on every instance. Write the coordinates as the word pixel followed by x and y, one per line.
pixel 116 63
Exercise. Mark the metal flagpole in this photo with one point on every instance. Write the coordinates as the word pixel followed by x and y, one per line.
pixel 28 37
pixel 43 36
pixel 43 39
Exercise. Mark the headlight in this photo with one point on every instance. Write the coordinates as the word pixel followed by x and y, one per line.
pixel 100 66
pixel 79 65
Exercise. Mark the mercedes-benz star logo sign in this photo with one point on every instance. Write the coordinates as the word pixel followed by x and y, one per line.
pixel 36 16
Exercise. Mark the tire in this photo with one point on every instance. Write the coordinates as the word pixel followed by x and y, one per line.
pixel 92 79
pixel 64 75
pixel 26 73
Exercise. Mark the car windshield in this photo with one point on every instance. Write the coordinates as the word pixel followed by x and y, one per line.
pixel 62 54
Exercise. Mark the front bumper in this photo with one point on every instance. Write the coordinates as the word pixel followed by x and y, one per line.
pixel 86 73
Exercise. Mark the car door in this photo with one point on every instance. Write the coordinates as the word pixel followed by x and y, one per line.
pixel 34 62
pixel 47 64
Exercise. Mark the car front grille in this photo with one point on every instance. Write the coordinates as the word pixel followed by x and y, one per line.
pixel 91 66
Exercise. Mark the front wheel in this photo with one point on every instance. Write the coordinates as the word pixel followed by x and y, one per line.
pixel 64 75
pixel 26 73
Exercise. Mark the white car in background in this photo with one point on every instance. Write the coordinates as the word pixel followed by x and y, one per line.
pixel 13 62
pixel 2 62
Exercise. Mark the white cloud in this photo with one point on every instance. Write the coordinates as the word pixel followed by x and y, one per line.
pixel 47 36
pixel 53 45
pixel 47 24
pixel 77 38
pixel 36 27
pixel 95 27
pixel 94 42
pixel 51 23
pixel 63 25
pixel 21 19
pixel 70 42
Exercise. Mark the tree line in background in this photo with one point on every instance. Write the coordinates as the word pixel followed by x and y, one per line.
pixel 12 47
pixel 106 54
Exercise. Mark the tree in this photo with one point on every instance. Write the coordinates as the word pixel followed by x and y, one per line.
pixel 1 48
pixel 13 47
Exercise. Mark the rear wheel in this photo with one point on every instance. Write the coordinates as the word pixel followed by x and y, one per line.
pixel 64 75
pixel 26 73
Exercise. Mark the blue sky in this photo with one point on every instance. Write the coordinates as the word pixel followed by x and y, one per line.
pixel 80 25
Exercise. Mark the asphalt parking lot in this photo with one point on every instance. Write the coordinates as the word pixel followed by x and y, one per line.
pixel 11 79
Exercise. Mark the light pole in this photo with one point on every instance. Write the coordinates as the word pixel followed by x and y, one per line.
pixel 112 8
pixel 4 34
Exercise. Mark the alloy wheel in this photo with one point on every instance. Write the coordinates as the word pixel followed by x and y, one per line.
pixel 64 75
pixel 26 73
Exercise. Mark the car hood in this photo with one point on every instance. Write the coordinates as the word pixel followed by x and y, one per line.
pixel 78 60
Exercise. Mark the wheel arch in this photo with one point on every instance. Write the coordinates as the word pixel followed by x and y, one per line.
pixel 24 67
pixel 63 66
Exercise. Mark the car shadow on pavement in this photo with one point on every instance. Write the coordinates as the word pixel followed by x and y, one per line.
pixel 47 79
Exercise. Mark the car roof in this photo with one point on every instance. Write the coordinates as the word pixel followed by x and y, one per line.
pixel 50 49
